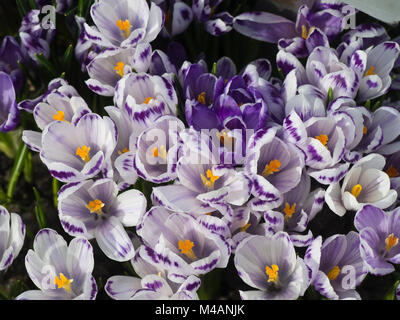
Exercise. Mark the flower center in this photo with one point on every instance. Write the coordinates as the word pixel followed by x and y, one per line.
pixel 271 168
pixel 160 152
pixel 391 241
pixel 392 172
pixel 209 183
pixel 323 138
pixel 202 98
pixel 225 139
pixel 83 152
pixel 63 282
pixel 147 100
pixel 245 227
pixel 125 27
pixel 289 210
pixel 124 150
pixel 272 273
pixel 95 206
pixel 365 129
pixel 59 116
pixel 186 248
pixel 356 190
pixel 370 72
pixel 119 68
pixel 304 33
pixel 332 275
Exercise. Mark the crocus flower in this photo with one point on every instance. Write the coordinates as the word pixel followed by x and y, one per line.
pixel 269 264
pixel 77 152
pixel 379 237
pixel 178 16
pixel 124 24
pixel 59 270
pixel 392 168
pixel 182 244
pixel 336 266
pixel 10 55
pixel 96 210
pixel 273 166
pixel 109 66
pixel 12 237
pixel 9 113
pixel 365 183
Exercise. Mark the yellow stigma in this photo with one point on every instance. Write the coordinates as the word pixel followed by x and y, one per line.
pixel 63 282
pixel 289 210
pixel 332 275
pixel 147 100
pixel 365 130
pixel 392 172
pixel 304 33
pixel 323 138
pixel 160 153
pixel 209 183
pixel 124 150
pixel 356 190
pixel 124 26
pixel 202 98
pixel 272 167
pixel 59 116
pixel 272 273
pixel 391 241
pixel 370 72
pixel 186 248
pixel 95 206
pixel 83 152
pixel 245 227
pixel 119 68
pixel 223 136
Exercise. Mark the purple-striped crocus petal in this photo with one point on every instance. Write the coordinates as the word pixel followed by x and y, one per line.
pixel 301 240
pixel 9 113
pixel 274 221
pixel 17 233
pixel 370 87
pixel 32 139
pixel 388 119
pixel 74 227
pixel 358 62
pixel 333 198
pixel 114 241
pixel 33 295
pixel 317 155
pixel 137 36
pixel 208 263
pixel 100 88
pixel 214 224
pixel 288 62
pixel 160 63
pixel 158 284
pixel 330 175
pixel 142 57
pixel 182 16
pixel 226 68
pixel 7 258
pixel 324 287
pixel 122 287
pixel 312 258
pixel 264 190
pixel 124 165
pixel 264 26
pixel 295 46
pixel 92 35
pixel 191 284
pixel 383 57
pixel 371 216
pixel 90 289
pixel 316 39
pixel 342 83
pixel 294 129
pixel 130 206
pixel 155 23
pixel 314 203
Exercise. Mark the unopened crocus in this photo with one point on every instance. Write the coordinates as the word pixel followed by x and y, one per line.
pixel 123 24
pixel 178 16
pixel 9 113
pixel 379 237
pixel 269 265
pixel 365 183
pixel 94 209
pixel 60 271
pixel 10 56
pixel 12 236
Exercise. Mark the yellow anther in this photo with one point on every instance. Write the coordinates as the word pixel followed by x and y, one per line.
pixel 83 152
pixel 186 248
pixel 59 116
pixel 323 138
pixel 392 172
pixel 124 150
pixel 356 190
pixel 63 282
pixel 160 152
pixel 365 130
pixel 124 26
pixel 245 227
pixel 223 137
pixel 289 210
pixel 202 98
pixel 370 72
pixel 272 273
pixel 333 274
pixel 272 167
pixel 209 183
pixel 391 241
pixel 147 100
pixel 304 33
pixel 119 68
pixel 95 206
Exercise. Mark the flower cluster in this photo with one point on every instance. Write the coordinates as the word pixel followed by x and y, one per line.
pixel 186 166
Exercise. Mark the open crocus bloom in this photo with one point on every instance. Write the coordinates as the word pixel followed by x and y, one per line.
pixel 59 270
pixel 123 23
pixel 365 183
pixel 12 235
pixel 379 236
pixel 269 264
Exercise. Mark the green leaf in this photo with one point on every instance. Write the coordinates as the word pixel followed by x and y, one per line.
pixel 214 69
pixel 330 95
pixel 56 188
pixel 368 104
pixel 22 10
pixel 17 169
pixel 46 64
pixel 391 295
pixel 28 168
pixel 39 212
